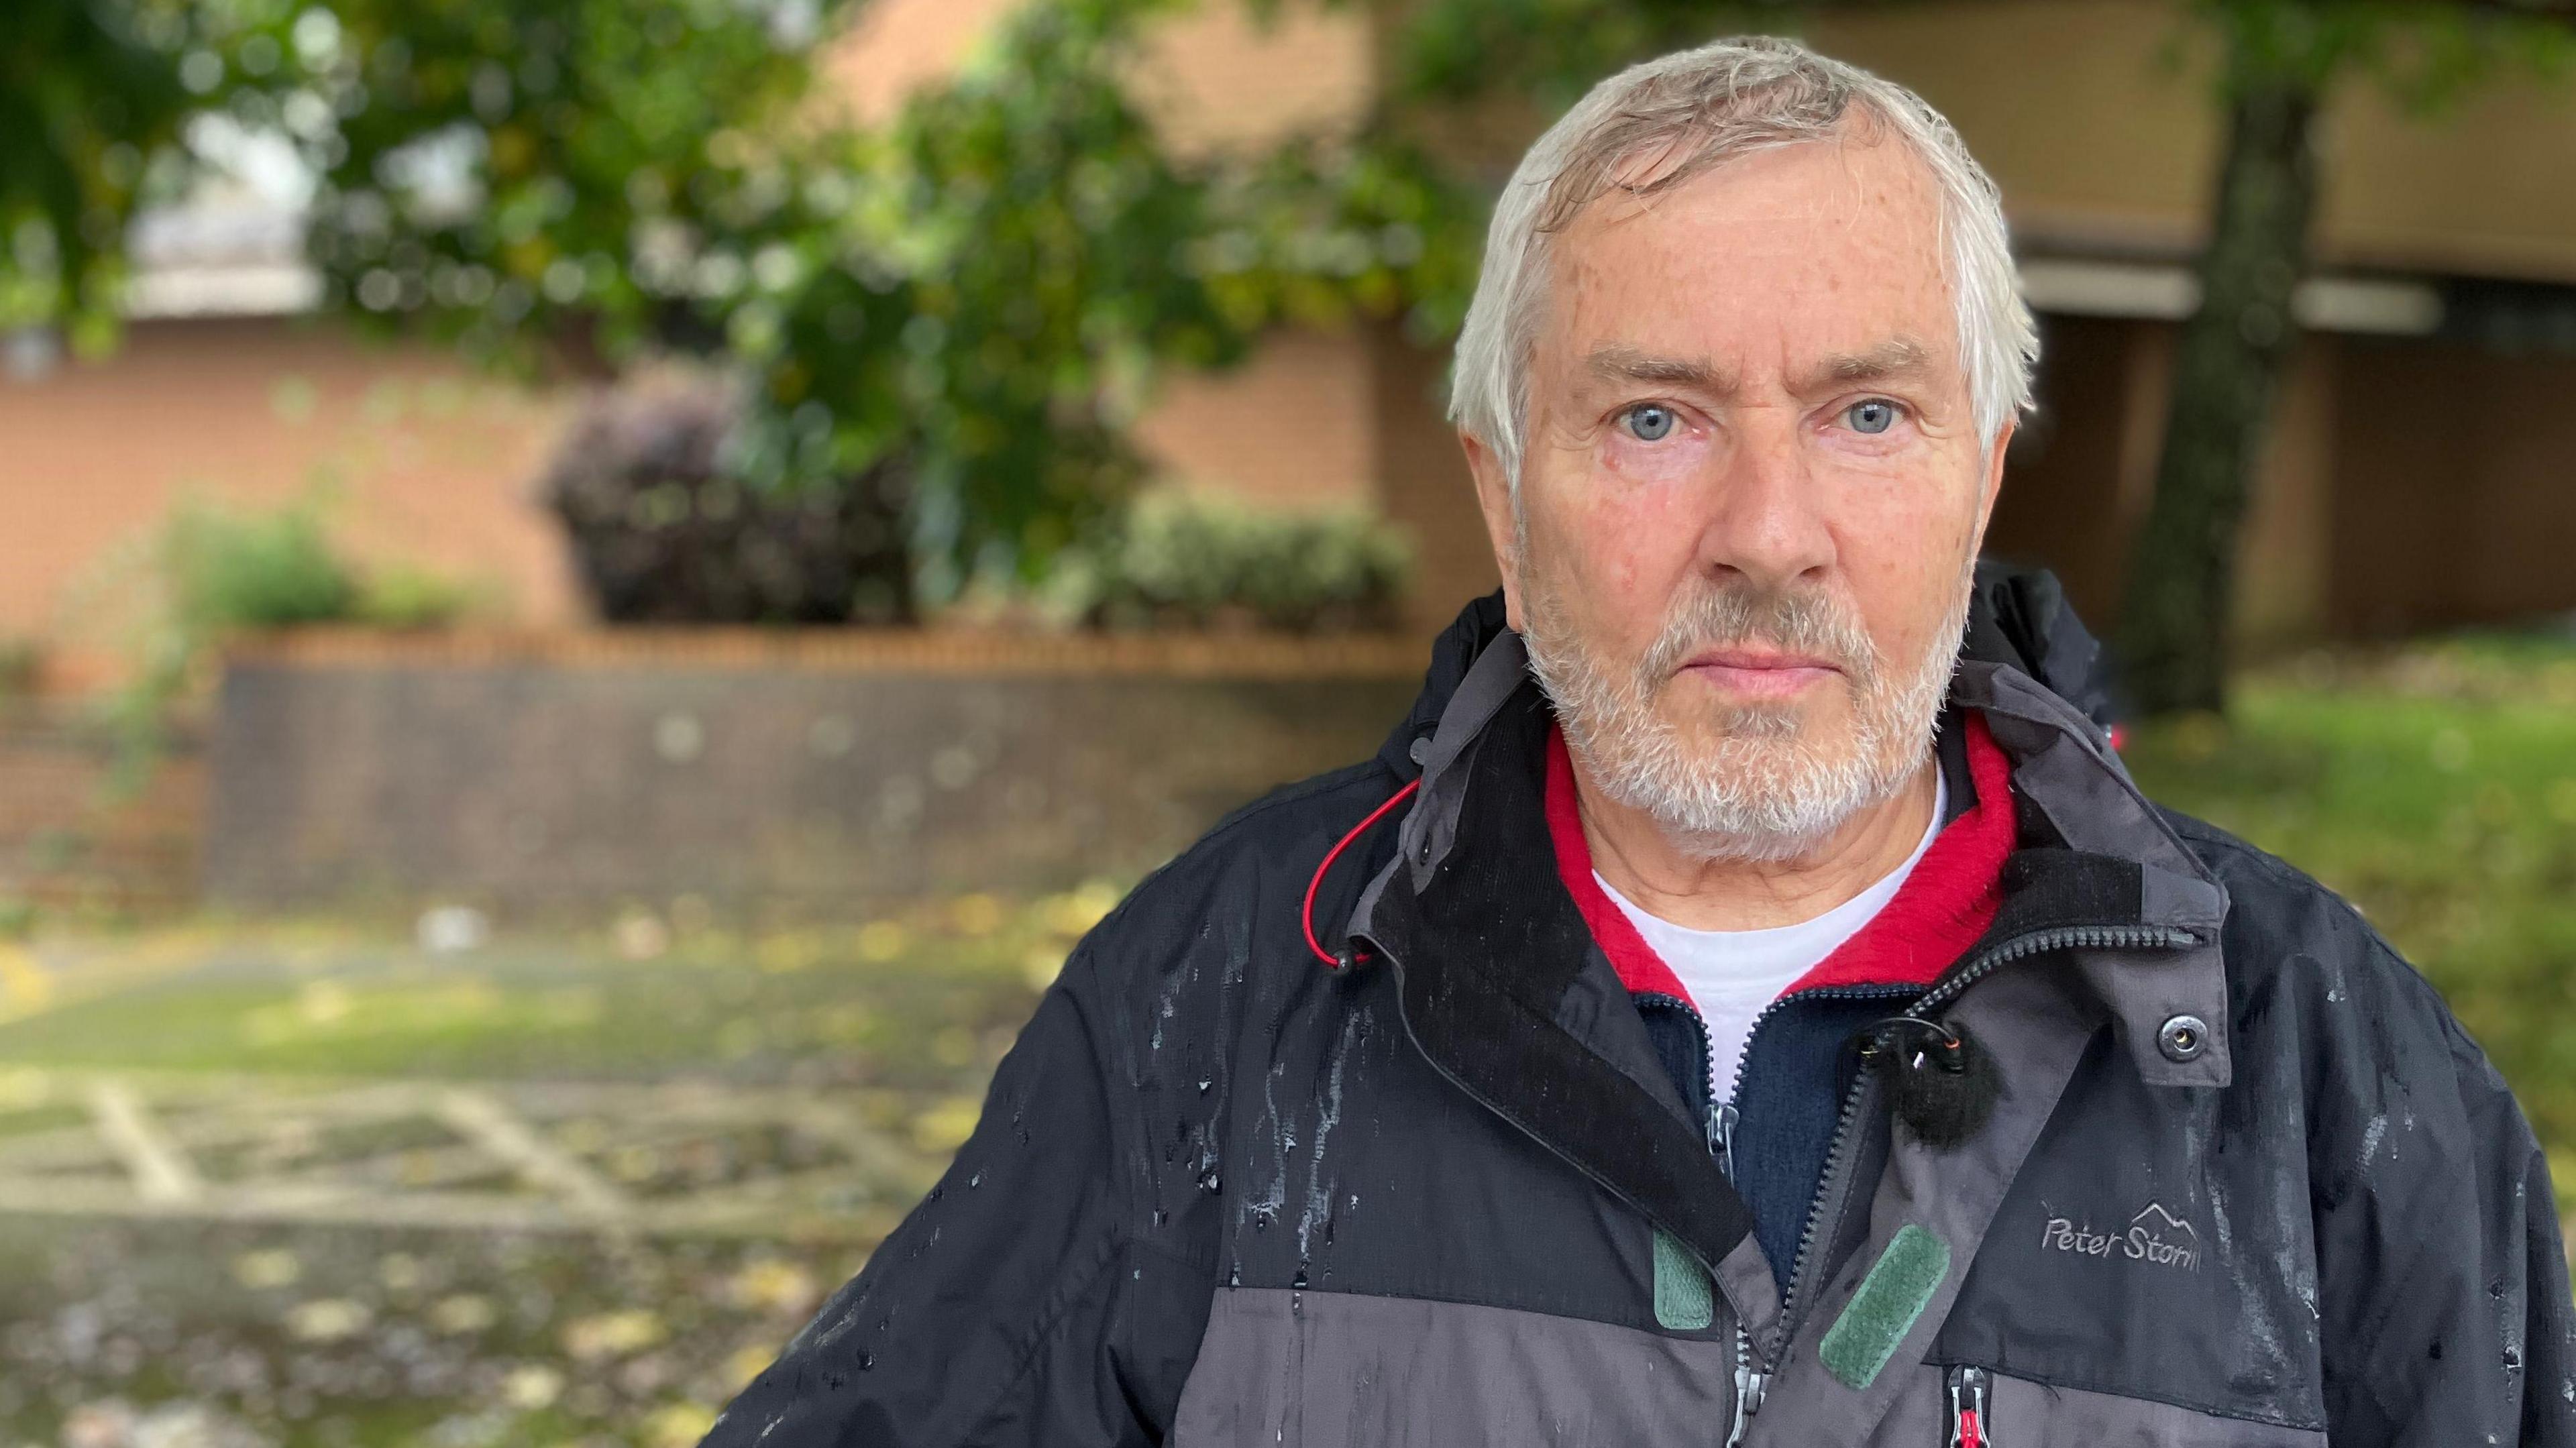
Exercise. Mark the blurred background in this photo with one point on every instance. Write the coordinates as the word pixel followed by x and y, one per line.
pixel 593 592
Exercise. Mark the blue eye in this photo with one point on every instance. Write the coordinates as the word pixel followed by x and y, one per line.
pixel 1873 416
pixel 1649 422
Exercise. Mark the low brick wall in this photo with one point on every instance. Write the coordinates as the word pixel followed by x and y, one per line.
pixel 830 770
pixel 72 837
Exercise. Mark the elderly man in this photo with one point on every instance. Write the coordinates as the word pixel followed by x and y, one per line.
pixel 1746 1001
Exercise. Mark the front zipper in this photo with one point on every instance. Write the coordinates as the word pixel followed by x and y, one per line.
pixel 1972 1423
pixel 1753 1372
pixel 1718 1126
pixel 1828 1187
pixel 2063 937
pixel 1843 1119
pixel 1749 1385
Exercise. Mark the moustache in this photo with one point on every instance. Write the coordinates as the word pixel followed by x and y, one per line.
pixel 1798 621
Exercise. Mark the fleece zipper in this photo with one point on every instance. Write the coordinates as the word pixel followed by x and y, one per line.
pixel 1845 1117
pixel 1718 1125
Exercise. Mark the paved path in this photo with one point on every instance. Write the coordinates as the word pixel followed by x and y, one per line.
pixel 515 1155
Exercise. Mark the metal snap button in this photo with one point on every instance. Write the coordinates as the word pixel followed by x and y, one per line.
pixel 2183 1038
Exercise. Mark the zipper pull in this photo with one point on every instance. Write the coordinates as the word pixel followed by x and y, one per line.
pixel 1970 1425
pixel 1748 1388
pixel 1721 1137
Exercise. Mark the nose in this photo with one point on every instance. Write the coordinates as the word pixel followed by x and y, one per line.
pixel 1764 520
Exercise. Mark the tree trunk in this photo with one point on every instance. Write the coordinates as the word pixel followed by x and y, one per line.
pixel 2181 584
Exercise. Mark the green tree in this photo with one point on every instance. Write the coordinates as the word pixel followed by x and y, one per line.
pixel 2278 63
pixel 90 95
pixel 986 287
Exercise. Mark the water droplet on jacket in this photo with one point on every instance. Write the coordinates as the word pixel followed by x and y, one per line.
pixel 833 1381
pixel 1203 1087
pixel 934 1195
pixel 974 1181
pixel 1235 1277
pixel 1161 1216
pixel 1208 1182
pixel 867 1360
pixel 1299 1281
pixel 1287 1141
pixel 2512 1359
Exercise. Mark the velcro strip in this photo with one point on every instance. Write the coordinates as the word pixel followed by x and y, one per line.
pixel 1685 1299
pixel 1899 1286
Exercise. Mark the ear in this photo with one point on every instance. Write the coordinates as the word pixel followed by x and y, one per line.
pixel 1494 500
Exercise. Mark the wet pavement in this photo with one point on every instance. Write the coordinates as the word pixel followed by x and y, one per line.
pixel 272 1185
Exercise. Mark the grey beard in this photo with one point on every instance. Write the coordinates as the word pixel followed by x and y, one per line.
pixel 1763 791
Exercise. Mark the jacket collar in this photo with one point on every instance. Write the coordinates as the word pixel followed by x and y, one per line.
pixel 1501 982
pixel 1945 904
pixel 2108 850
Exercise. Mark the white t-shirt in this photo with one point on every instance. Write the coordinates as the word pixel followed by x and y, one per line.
pixel 1732 975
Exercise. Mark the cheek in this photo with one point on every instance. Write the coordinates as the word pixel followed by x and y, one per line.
pixel 1903 554
pixel 1626 544
pixel 1612 558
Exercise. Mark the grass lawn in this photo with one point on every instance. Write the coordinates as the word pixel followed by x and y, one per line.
pixel 2435 788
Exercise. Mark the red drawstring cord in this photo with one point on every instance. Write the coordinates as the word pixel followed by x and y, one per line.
pixel 1306 916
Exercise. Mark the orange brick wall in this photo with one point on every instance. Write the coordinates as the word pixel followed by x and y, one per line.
pixel 421 460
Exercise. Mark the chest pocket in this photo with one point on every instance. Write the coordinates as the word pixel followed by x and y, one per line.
pixel 1982 1409
pixel 1314 1369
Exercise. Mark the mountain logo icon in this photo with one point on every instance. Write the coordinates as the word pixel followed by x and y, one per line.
pixel 2160 1222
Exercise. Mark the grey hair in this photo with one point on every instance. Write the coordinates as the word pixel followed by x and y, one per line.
pixel 1689 112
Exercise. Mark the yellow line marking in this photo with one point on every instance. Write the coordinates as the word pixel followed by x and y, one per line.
pixel 25 988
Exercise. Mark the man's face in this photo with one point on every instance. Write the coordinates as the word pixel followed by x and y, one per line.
pixel 1751 493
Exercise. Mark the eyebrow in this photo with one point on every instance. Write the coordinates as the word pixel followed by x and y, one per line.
pixel 1621 363
pixel 1896 357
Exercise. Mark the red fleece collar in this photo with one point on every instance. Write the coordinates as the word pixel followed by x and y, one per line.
pixel 1940 910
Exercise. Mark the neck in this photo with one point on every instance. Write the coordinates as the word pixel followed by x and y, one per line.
pixel 1642 861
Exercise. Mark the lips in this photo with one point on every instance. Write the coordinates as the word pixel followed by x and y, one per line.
pixel 1759 672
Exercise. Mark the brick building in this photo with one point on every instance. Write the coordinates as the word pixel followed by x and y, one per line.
pixel 2414 478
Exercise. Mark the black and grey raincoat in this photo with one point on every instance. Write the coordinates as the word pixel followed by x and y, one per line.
pixel 2236 1178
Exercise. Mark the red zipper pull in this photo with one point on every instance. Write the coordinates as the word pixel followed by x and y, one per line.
pixel 1968 1408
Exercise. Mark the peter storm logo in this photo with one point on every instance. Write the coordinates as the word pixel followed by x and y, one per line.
pixel 2154 1236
